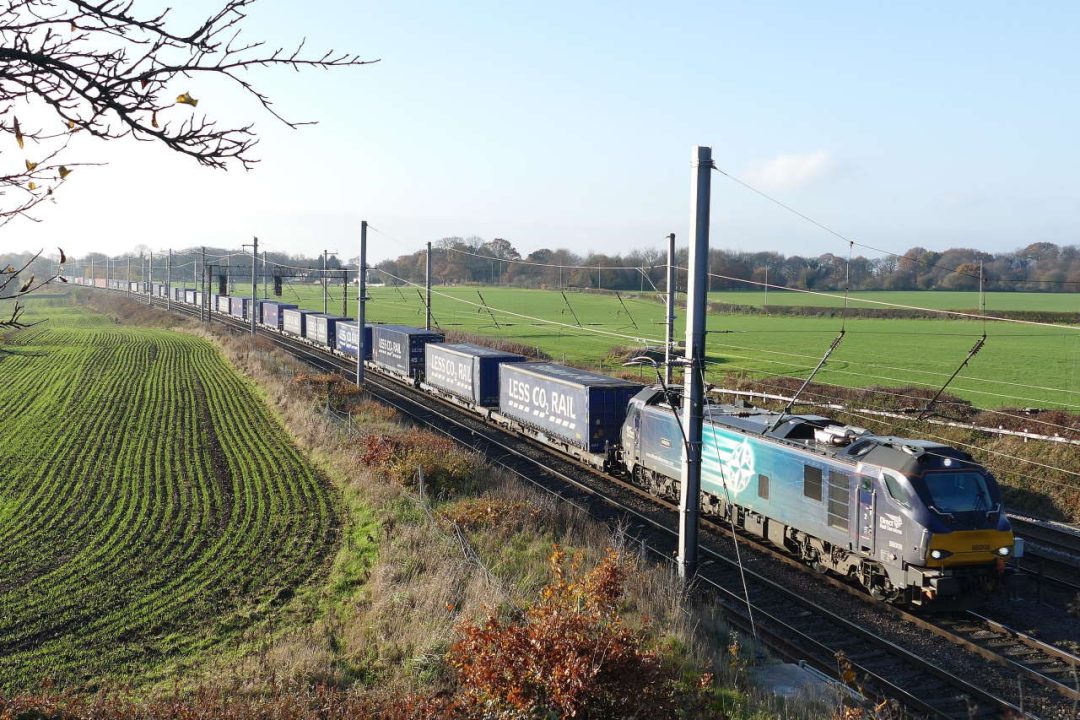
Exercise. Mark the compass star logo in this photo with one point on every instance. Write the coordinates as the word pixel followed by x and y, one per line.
pixel 739 467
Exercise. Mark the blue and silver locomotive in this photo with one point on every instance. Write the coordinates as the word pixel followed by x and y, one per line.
pixel 911 520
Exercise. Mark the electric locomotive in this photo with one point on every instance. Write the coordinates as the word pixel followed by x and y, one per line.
pixel 913 521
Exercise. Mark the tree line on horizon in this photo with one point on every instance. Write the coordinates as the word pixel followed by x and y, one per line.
pixel 1038 267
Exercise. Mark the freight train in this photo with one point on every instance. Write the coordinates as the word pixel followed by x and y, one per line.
pixel 912 521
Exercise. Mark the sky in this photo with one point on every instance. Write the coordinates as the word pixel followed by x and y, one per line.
pixel 571 124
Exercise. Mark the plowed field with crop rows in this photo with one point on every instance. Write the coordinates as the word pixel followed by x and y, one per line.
pixel 151 507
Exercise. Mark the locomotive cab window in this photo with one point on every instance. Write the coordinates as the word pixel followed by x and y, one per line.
pixel 763 487
pixel 897 491
pixel 812 482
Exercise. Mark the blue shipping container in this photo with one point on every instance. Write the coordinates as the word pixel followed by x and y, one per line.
pixel 348 340
pixel 400 348
pixel 322 329
pixel 470 372
pixel 294 321
pixel 238 307
pixel 272 313
pixel 584 409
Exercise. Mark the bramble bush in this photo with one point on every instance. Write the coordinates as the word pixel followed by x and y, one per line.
pixel 447 469
pixel 570 655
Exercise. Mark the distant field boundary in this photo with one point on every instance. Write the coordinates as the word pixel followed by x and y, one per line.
pixel 1045 316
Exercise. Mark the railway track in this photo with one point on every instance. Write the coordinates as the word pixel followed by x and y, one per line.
pixel 1051 552
pixel 792 625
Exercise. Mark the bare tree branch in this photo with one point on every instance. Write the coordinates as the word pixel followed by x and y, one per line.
pixel 100 68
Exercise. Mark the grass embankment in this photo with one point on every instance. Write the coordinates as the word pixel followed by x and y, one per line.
pixel 464 572
pixel 151 507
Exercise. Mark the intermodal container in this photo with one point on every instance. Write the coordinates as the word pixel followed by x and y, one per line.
pixel 101 283
pixel 161 290
pixel 582 408
pixel 272 313
pixel 178 294
pixel 322 329
pixel 238 306
pixel 134 287
pixel 470 372
pixel 348 340
pixel 294 320
pixel 221 304
pixel 189 297
pixel 400 348
pixel 198 301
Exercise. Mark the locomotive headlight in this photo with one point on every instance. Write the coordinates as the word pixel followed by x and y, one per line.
pixel 1004 551
pixel 940 554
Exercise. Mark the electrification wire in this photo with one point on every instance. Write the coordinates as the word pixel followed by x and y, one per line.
pixel 891 430
pixel 519 261
pixel 950 442
pixel 889 379
pixel 939 311
pixel 846 239
pixel 901 396
pixel 839 400
pixel 905 380
pixel 917 371
pixel 635 338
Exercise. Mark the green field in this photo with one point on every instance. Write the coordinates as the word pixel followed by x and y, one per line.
pixel 933 299
pixel 1020 365
pixel 151 507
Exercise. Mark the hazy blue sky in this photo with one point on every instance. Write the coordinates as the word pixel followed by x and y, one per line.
pixel 571 124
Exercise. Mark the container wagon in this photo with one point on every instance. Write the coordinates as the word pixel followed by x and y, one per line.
pixel 576 411
pixel 322 329
pixel 272 313
pixel 399 349
pixel 294 320
pixel 348 340
pixel 238 307
pixel 467 372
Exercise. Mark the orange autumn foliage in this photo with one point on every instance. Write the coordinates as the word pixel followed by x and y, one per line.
pixel 571 655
